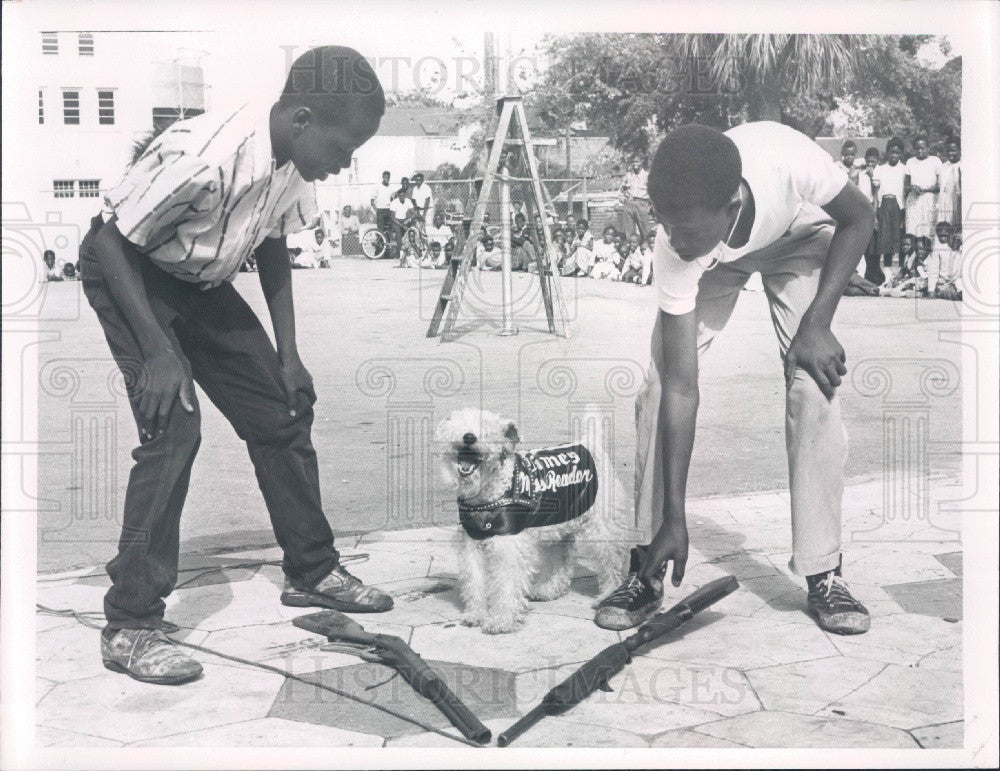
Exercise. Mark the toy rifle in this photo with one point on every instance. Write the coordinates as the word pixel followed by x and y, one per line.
pixel 394 652
pixel 594 675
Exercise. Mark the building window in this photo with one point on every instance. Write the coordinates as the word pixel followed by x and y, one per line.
pixel 106 107
pixel 90 188
pixel 86 44
pixel 71 108
pixel 50 43
pixel 41 107
pixel 63 188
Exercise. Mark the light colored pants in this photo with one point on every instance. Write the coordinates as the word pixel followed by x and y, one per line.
pixel 814 432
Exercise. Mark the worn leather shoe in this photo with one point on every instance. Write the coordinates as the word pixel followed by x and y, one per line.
pixel 340 591
pixel 148 656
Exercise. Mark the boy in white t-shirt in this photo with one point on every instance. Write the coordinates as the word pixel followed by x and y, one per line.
pixel 889 179
pixel 759 198
pixel 423 199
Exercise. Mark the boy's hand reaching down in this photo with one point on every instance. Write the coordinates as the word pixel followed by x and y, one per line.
pixel 670 544
pixel 295 377
pixel 815 349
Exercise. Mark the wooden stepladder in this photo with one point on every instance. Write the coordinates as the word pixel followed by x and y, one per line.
pixel 453 290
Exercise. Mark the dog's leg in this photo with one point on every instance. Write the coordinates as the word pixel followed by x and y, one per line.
pixel 511 564
pixel 472 581
pixel 556 569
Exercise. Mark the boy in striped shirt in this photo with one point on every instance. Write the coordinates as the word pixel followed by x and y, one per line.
pixel 157 268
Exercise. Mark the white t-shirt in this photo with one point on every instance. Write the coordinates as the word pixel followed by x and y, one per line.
pixel 890 180
pixel 350 224
pixel 440 234
pixel 383 195
pixel 785 170
pixel 399 208
pixel 421 195
pixel 924 173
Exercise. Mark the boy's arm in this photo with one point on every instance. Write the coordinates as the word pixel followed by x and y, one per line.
pixel 275 271
pixel 676 427
pixel 166 378
pixel 814 347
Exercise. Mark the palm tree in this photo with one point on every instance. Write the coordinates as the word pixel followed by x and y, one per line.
pixel 768 68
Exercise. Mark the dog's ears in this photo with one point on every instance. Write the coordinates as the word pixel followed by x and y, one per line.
pixel 510 432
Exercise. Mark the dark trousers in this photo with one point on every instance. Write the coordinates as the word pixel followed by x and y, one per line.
pixel 223 346
pixel 383 221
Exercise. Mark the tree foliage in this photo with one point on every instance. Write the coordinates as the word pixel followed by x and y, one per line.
pixel 635 87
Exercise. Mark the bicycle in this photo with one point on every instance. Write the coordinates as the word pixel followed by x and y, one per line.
pixel 374 244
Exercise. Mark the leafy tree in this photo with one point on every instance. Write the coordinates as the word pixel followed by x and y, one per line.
pixel 447 171
pixel 636 87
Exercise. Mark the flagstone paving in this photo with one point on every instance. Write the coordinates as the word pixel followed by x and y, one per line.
pixel 753 671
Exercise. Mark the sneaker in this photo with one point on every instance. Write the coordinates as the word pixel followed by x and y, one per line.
pixel 635 601
pixel 833 606
pixel 147 655
pixel 339 591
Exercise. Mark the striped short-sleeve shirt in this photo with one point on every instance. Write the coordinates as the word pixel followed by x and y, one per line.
pixel 206 193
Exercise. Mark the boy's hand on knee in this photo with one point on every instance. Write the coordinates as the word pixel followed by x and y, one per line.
pixel 816 350
pixel 295 378
pixel 166 381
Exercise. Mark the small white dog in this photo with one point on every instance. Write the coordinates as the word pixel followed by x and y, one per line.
pixel 526 517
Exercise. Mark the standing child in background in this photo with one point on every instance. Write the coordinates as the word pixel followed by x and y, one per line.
pixel 866 183
pixel 605 253
pixel 950 197
pixel 423 200
pixel 522 247
pixel 921 188
pixel 380 200
pixel 848 154
pixel 889 179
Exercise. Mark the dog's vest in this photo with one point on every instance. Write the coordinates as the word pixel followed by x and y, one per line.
pixel 548 487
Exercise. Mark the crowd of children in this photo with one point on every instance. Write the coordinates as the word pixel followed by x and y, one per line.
pixel 916 247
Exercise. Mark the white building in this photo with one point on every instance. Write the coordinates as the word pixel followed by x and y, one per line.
pixel 97 94
pixel 409 139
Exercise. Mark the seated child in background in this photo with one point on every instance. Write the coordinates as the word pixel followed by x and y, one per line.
pixel 632 266
pixel 433 256
pixel 52 273
pixel 438 232
pixel 949 283
pixel 488 255
pixel 582 248
pixel 69 272
pixel 410 256
pixel 522 247
pixel 605 256
pixel 911 281
pixel 447 254
pixel 939 264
